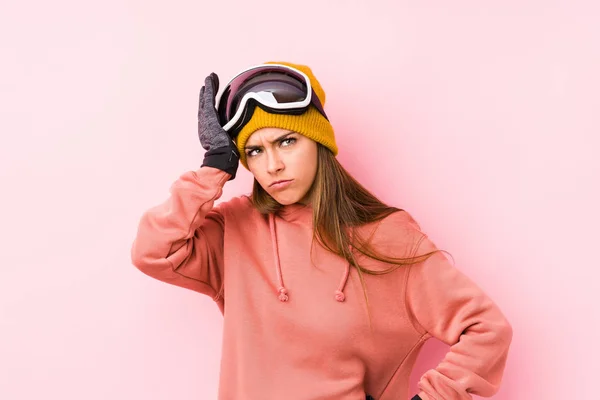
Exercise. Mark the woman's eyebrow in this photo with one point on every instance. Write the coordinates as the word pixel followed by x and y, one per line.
pixel 272 141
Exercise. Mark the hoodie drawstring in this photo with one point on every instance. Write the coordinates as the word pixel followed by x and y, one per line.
pixel 339 293
pixel 283 292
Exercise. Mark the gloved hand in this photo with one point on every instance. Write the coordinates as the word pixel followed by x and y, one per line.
pixel 221 151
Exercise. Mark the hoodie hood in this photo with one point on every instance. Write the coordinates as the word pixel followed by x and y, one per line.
pixel 290 213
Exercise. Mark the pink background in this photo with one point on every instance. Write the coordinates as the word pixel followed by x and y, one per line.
pixel 481 118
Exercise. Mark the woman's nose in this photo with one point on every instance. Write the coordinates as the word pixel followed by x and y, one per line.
pixel 274 163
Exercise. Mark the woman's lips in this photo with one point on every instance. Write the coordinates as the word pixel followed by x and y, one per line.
pixel 281 185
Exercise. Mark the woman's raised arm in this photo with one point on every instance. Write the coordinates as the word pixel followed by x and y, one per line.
pixel 181 240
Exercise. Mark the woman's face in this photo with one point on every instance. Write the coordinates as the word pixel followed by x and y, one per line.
pixel 275 154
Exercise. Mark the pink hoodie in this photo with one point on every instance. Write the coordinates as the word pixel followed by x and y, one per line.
pixel 296 328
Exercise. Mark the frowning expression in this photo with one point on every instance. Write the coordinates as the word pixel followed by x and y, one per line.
pixel 283 162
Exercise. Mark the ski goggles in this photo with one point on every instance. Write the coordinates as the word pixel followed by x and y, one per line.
pixel 276 88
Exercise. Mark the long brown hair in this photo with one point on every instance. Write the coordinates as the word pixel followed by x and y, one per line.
pixel 339 204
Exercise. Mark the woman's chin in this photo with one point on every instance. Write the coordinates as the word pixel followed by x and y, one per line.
pixel 285 200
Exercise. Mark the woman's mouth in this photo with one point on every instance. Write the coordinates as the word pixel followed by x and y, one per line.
pixel 281 184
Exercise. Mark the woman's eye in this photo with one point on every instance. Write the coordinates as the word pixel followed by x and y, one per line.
pixel 289 140
pixel 285 142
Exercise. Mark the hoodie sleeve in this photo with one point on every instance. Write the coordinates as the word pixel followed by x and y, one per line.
pixel 181 240
pixel 444 303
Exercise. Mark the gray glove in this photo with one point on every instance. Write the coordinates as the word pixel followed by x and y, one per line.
pixel 210 132
pixel 221 151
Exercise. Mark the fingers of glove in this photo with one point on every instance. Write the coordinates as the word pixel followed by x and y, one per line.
pixel 212 87
pixel 215 78
pixel 209 112
pixel 201 101
pixel 209 93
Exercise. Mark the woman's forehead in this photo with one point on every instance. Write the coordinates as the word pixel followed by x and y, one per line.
pixel 268 134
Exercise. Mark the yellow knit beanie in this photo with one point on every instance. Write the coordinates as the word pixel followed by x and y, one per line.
pixel 311 124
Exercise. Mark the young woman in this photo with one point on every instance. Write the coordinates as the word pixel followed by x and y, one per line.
pixel 326 292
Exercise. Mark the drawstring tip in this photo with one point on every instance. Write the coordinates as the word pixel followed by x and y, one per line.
pixel 283 294
pixel 339 296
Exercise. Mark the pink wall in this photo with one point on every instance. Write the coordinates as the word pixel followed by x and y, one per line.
pixel 481 118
